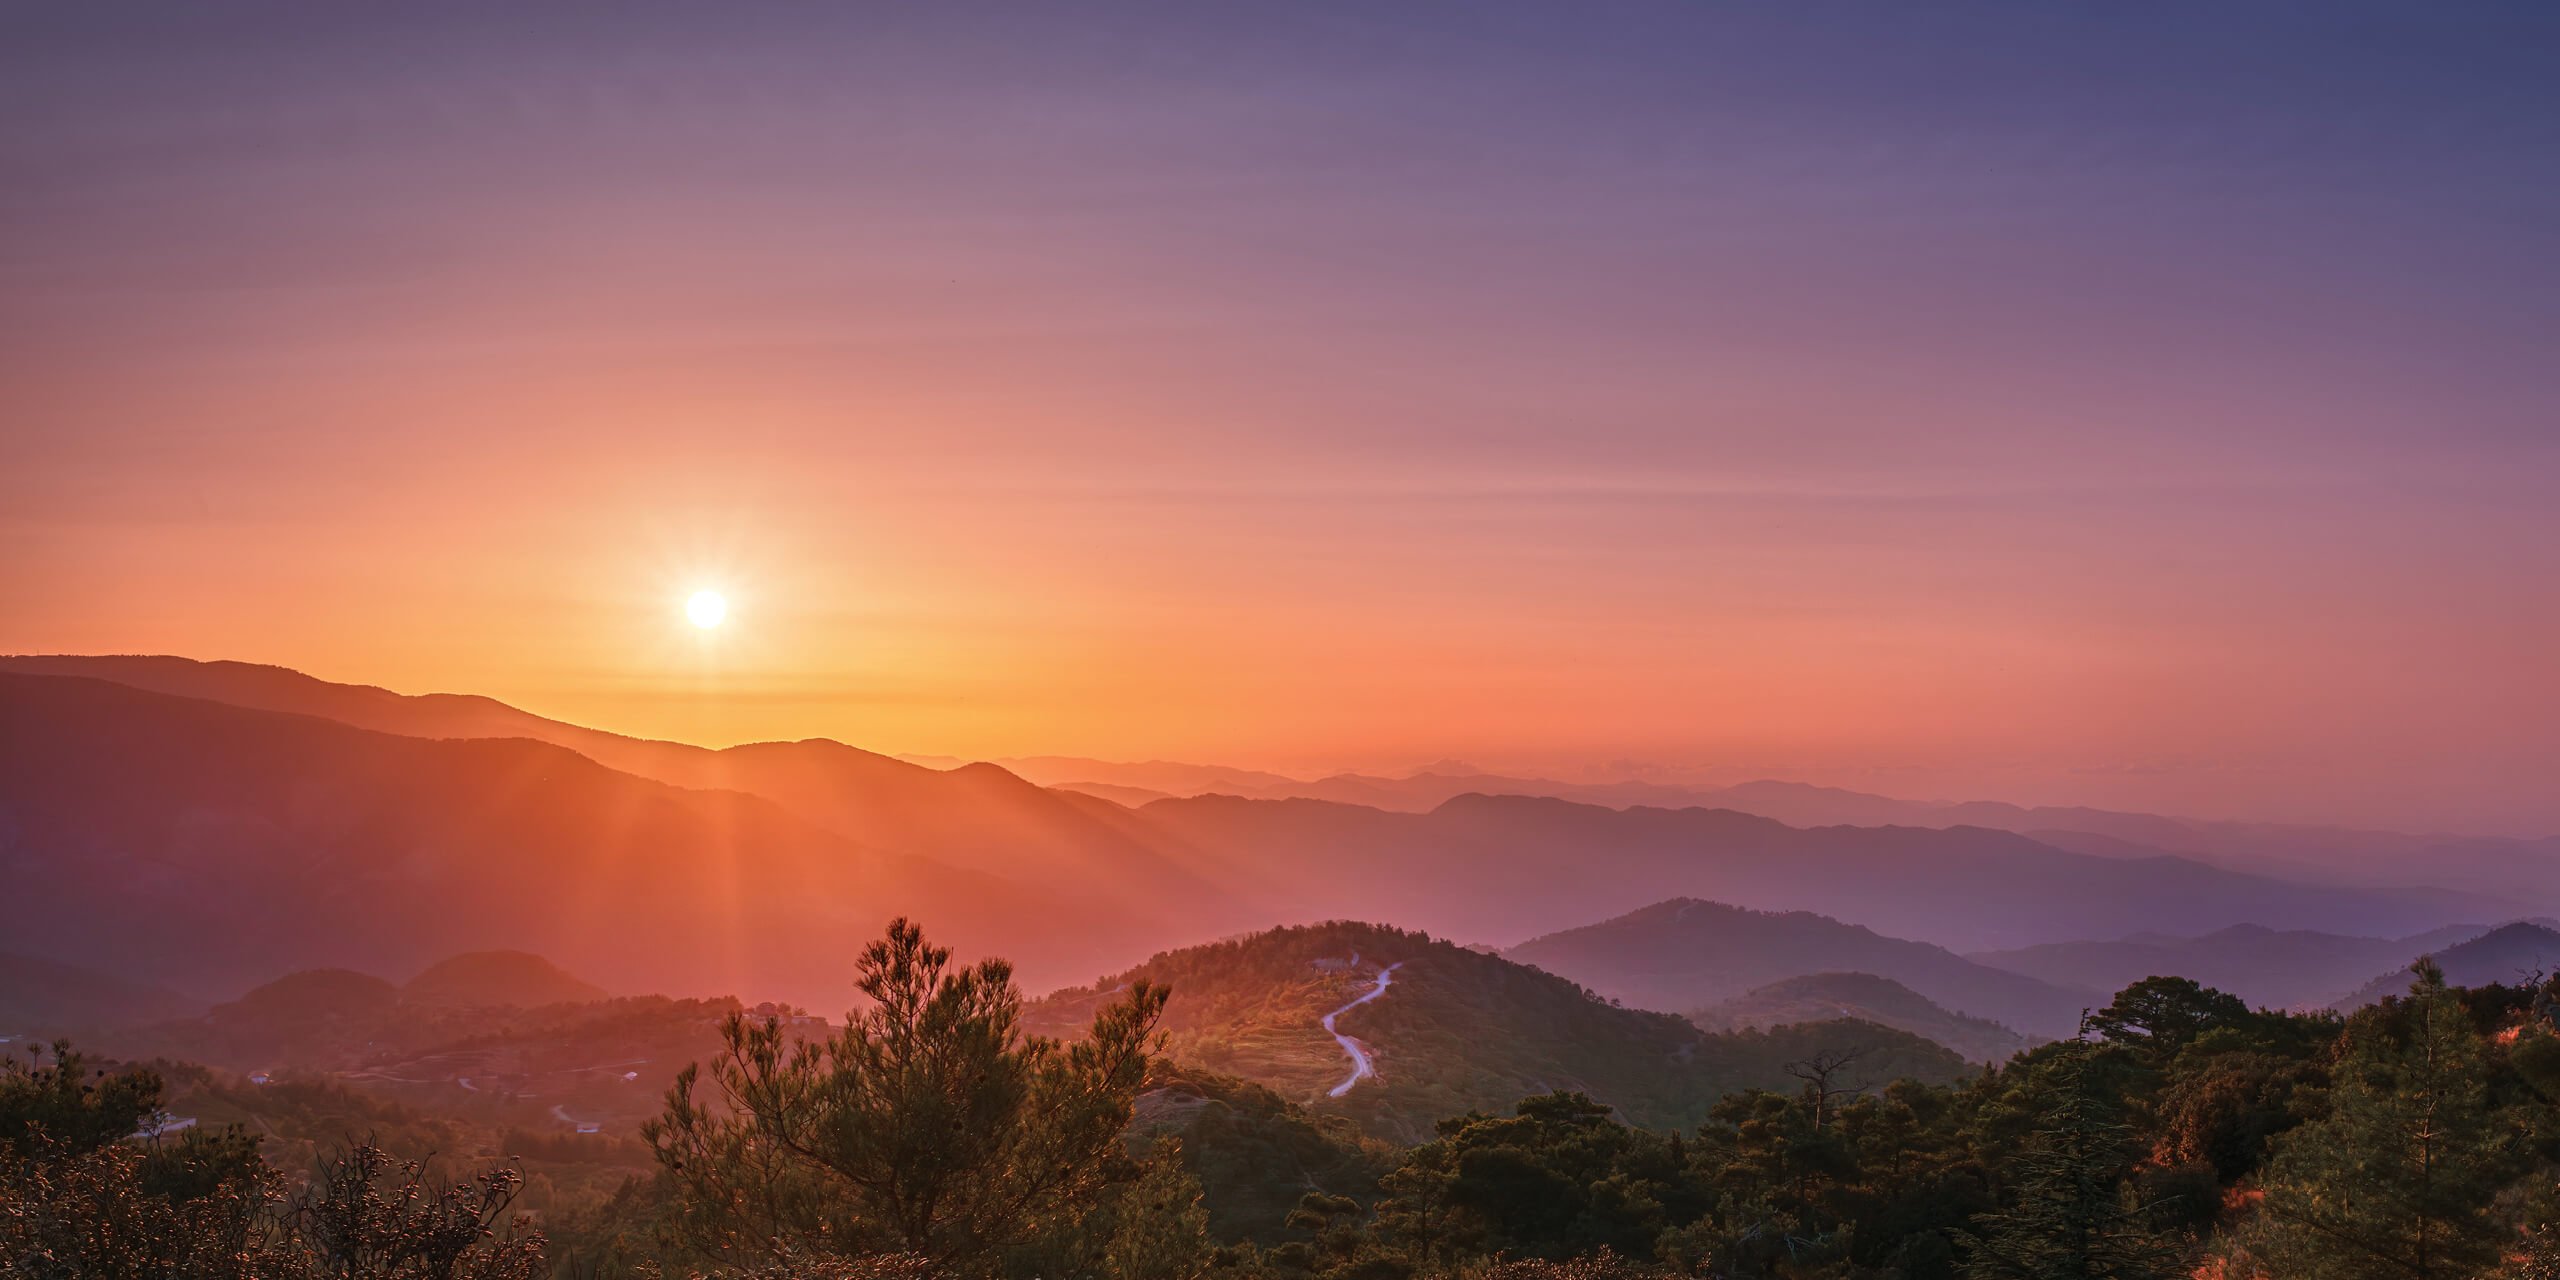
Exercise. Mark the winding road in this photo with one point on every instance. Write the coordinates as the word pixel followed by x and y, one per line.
pixel 1361 1069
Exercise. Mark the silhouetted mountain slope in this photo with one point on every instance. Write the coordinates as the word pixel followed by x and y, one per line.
pixel 1164 777
pixel 1418 792
pixel 2314 854
pixel 2270 968
pixel 1126 797
pixel 226 844
pixel 1816 997
pixel 2509 954
pixel 45 997
pixel 1479 867
pixel 1456 1030
pixel 976 817
pixel 1685 954
pixel 1497 867
pixel 491 979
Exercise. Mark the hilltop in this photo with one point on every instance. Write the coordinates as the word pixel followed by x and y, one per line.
pixel 1456 1030
pixel 1816 997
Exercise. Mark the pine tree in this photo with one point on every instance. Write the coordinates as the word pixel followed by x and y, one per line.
pixel 2075 1218
pixel 2397 1181
pixel 930 1127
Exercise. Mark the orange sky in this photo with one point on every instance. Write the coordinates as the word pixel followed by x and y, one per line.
pixel 1335 409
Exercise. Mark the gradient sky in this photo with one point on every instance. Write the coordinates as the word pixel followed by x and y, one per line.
pixel 2148 406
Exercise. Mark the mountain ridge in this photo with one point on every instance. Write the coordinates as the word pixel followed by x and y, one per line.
pixel 135 814
pixel 1687 954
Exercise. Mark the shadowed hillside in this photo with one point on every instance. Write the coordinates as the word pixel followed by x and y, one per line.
pixel 1817 997
pixel 1685 954
pixel 2293 851
pixel 224 845
pixel 2270 968
pixel 974 816
pixel 1183 869
pixel 2516 955
pixel 1532 866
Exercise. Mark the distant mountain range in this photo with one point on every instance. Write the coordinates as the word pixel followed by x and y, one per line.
pixel 218 845
pixel 1493 868
pixel 1686 954
pixel 1815 997
pixel 2484 863
pixel 2269 968
pixel 973 817
pixel 208 825
pixel 2510 954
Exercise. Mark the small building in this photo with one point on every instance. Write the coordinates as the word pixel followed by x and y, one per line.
pixel 589 1126
pixel 261 1077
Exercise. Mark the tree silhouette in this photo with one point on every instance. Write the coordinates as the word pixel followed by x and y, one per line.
pixel 930 1126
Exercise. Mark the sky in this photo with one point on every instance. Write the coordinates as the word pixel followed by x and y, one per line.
pixel 2151 406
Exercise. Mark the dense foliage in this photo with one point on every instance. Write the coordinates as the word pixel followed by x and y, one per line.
pixel 2183 1134
pixel 930 1127
pixel 83 1194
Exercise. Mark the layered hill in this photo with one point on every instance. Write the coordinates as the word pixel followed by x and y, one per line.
pixel 1817 997
pixel 2493 865
pixel 2510 954
pixel 1530 866
pixel 221 845
pixel 974 816
pixel 1454 1030
pixel 2269 968
pixel 1686 954
pixel 549 1068
pixel 811 835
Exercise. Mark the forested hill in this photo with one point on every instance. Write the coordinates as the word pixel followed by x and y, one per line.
pixel 1818 996
pixel 1458 1030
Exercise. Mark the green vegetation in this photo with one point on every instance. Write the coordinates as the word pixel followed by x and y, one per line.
pixel 1460 1031
pixel 939 1135
pixel 931 1127
pixel 1817 997
pixel 81 1197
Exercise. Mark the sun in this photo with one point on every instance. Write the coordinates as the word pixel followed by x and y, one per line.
pixel 706 609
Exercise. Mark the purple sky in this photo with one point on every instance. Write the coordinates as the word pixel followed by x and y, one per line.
pixel 2152 407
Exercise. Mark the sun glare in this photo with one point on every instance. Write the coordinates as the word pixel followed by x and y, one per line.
pixel 706 608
